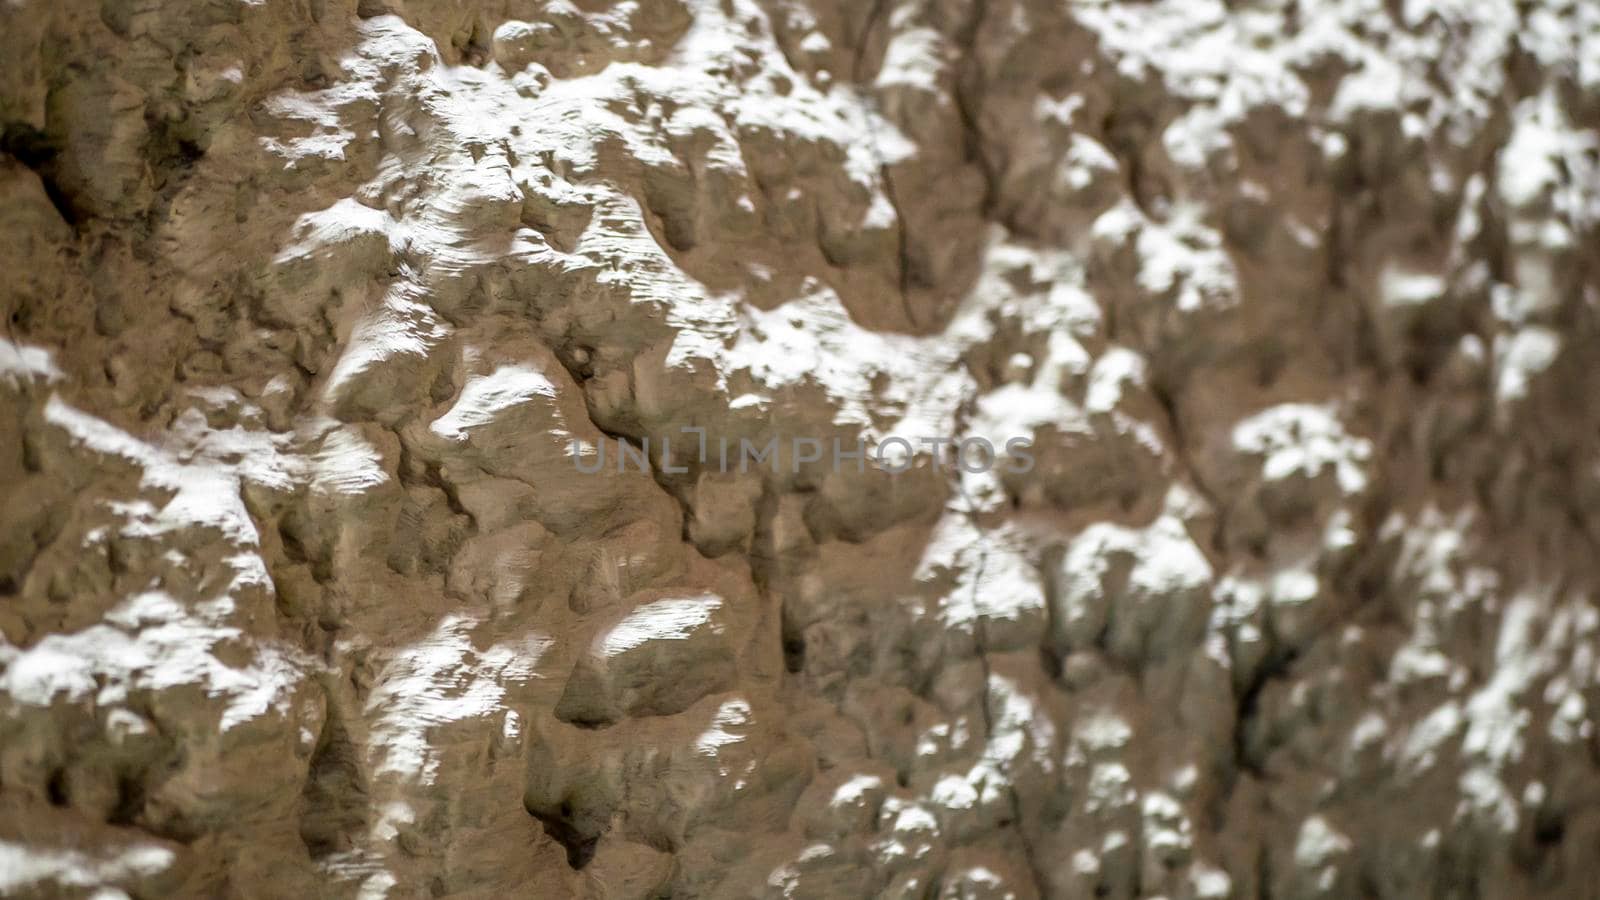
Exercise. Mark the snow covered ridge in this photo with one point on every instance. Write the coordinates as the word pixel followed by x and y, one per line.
pixel 892 454
pixel 366 368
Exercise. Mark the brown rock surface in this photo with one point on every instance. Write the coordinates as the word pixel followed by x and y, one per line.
pixel 314 309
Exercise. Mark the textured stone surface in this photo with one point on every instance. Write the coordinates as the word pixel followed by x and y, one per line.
pixel 308 305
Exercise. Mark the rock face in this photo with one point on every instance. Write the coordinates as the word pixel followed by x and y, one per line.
pixel 317 312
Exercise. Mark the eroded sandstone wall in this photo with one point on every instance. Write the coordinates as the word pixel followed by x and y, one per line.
pixel 307 303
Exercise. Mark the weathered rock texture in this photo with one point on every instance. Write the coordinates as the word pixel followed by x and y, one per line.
pixel 307 301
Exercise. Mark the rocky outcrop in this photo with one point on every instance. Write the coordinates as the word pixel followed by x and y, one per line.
pixel 370 368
